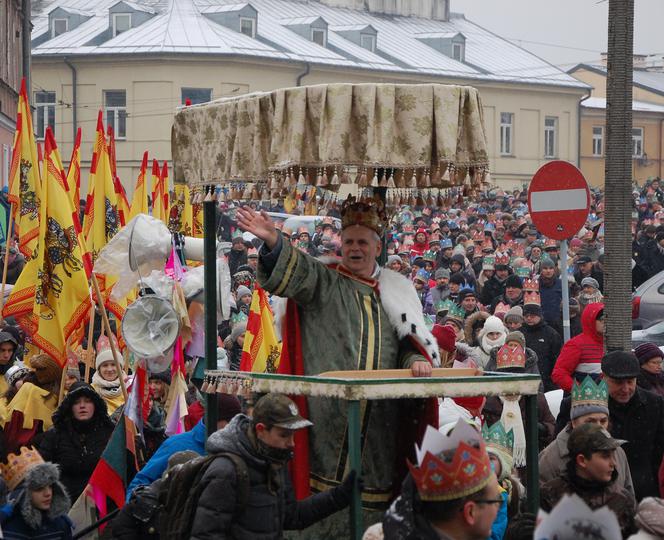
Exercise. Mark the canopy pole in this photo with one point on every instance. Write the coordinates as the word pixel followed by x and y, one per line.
pixel 5 266
pixel 532 455
pixel 210 284
pixel 355 455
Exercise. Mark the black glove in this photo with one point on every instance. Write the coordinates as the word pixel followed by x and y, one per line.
pixel 344 491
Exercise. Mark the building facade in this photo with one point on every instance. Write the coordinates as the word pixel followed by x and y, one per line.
pixel 647 123
pixel 139 61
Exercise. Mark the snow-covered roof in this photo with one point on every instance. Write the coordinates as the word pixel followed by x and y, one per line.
pixel 181 26
pixel 637 106
pixel 653 81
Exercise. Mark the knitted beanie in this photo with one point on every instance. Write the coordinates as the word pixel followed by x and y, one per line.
pixel 648 351
pixel 514 314
pixel 532 309
pixel 516 336
pixel 243 291
pixel 103 356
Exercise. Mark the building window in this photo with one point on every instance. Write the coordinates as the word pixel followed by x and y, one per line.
pixel 506 133
pixel 121 23
pixel 598 140
pixel 196 95
pixel 319 36
pixel 115 108
pixel 457 51
pixel 637 142
pixel 368 42
pixel 248 26
pixel 550 136
pixel 45 109
pixel 60 26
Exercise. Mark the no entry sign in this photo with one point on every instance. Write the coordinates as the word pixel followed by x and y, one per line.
pixel 558 200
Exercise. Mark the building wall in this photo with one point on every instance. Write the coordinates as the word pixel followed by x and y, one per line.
pixel 154 91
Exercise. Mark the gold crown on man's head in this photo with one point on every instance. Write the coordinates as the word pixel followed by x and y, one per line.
pixel 18 465
pixel 367 213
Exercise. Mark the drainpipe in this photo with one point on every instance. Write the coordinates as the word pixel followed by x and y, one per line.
pixel 307 70
pixel 578 138
pixel 26 31
pixel 659 152
pixel 74 104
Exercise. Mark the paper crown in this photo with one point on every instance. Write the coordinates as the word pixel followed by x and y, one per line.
pixel 429 256
pixel 531 284
pixel 368 213
pixel 456 312
pixel 18 465
pixel 523 271
pixel 238 317
pixel 501 309
pixel 487 245
pixel 531 297
pixel 573 518
pixel 488 263
pixel 478 236
pixel 550 243
pixel 451 467
pixel 443 305
pixel 590 393
pixel 502 258
pixel 511 357
pixel 496 437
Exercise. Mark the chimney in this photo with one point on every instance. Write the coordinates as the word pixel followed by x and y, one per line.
pixel 438 10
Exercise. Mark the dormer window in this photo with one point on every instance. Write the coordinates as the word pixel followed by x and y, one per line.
pixel 121 23
pixel 59 26
pixel 368 42
pixel 457 51
pixel 248 26
pixel 319 36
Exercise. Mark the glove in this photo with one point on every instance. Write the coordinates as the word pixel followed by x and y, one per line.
pixel 344 491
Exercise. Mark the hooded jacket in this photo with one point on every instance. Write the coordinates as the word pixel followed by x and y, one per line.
pixel 484 347
pixel 20 519
pixel 74 445
pixel 546 343
pixel 271 507
pixel 471 322
pixel 581 355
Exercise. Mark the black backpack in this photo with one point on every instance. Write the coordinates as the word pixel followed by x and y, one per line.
pixel 181 488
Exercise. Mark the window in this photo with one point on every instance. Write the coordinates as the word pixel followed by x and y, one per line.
pixel 319 36
pixel 115 108
pixel 506 133
pixel 60 26
pixel 121 23
pixel 368 42
pixel 45 109
pixel 457 51
pixel 196 95
pixel 637 142
pixel 248 27
pixel 550 136
pixel 598 140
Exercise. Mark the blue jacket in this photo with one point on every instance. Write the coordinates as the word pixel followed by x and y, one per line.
pixel 15 526
pixel 550 298
pixel 500 523
pixel 155 467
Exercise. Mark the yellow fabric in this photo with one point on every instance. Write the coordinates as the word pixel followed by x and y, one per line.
pixel 159 194
pixel 260 340
pixel 74 173
pixel 24 180
pixel 139 202
pixel 51 298
pixel 35 404
pixel 112 403
pixel 181 214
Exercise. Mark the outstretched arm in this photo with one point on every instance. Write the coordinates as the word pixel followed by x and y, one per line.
pixel 259 224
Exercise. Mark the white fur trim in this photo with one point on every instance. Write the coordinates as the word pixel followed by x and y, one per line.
pixel 404 311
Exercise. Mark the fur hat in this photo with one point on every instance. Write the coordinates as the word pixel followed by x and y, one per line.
pixel 39 476
pixel 46 369
pixel 515 314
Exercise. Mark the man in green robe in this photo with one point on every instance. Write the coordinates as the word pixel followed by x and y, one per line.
pixel 353 316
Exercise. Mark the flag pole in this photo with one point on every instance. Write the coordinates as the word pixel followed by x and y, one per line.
pixel 107 326
pixel 90 348
pixel 63 379
pixel 5 267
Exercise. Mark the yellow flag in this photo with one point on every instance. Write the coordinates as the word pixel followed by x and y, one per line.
pixel 261 350
pixel 55 279
pixel 74 172
pixel 158 210
pixel 181 214
pixel 139 202
pixel 24 179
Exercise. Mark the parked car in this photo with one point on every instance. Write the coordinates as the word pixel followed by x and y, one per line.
pixel 648 303
pixel 652 334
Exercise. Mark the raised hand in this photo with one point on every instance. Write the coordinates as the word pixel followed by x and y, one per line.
pixel 259 224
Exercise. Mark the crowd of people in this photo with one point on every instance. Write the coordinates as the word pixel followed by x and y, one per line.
pixel 466 284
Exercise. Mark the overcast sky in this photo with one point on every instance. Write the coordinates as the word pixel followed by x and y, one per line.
pixel 563 31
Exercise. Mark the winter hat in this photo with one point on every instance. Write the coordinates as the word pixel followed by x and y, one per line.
pixel 46 369
pixel 514 314
pixel 445 336
pixel 163 376
pixel 394 259
pixel 546 262
pixel 16 372
pixel 492 324
pixel 518 337
pixel 465 293
pixel 650 516
pixel 238 330
pixel 643 352
pixel 620 365
pixel 422 275
pixel 105 355
pixel 457 278
pixel 532 309
pixel 242 291
pixel 513 281
pixel 458 258
pixel 42 475
pixel 588 281
pixel 227 407
pixel 442 273
pixel 7 336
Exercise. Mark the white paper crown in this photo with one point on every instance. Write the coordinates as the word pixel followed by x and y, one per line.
pixel 573 519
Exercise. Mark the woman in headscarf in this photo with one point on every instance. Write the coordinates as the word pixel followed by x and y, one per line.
pixel 106 380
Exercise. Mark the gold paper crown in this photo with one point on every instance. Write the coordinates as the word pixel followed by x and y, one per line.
pixel 367 213
pixel 531 284
pixel 478 236
pixel 502 258
pixel 18 465
pixel 531 297
pixel 451 467
pixel 509 357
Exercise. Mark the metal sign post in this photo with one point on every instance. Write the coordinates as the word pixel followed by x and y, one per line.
pixel 565 286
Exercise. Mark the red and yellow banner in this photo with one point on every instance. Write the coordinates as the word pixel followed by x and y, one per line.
pixel 261 350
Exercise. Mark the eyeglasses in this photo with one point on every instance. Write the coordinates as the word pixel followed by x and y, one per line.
pixel 488 501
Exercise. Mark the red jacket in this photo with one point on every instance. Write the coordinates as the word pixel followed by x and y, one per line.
pixel 582 354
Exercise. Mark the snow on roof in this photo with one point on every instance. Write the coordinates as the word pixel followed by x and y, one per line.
pixel 649 80
pixel 637 106
pixel 180 26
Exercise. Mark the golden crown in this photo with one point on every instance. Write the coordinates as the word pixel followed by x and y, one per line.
pixel 531 297
pixel 510 357
pixel 18 465
pixel 531 284
pixel 451 467
pixel 367 213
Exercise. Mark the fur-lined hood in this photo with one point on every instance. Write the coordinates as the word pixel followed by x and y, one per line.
pixel 465 351
pixel 479 317
pixel 39 476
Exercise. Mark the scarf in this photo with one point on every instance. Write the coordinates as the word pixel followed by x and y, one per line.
pixel 106 389
pixel 511 419
pixel 488 344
